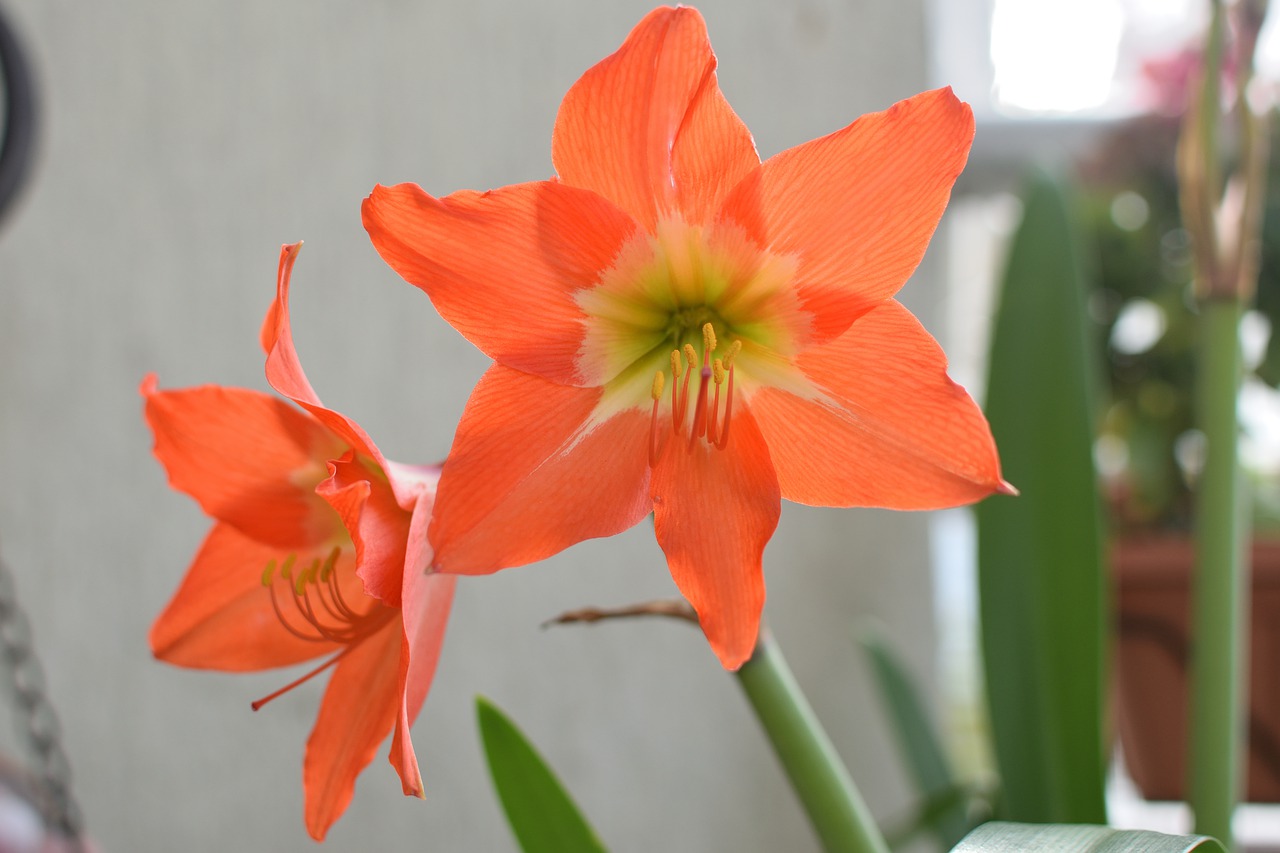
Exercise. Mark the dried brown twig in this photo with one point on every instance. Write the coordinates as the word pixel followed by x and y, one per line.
pixel 672 608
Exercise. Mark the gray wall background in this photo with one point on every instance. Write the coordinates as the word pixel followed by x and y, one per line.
pixel 182 143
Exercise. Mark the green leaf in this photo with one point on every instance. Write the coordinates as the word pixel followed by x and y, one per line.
pixel 1040 569
pixel 542 816
pixel 928 815
pixel 945 801
pixel 997 837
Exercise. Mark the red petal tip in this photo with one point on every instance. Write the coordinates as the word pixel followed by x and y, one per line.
pixel 1007 488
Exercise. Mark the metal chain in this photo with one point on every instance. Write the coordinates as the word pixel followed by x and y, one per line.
pixel 37 720
pixel 51 776
pixel 18 140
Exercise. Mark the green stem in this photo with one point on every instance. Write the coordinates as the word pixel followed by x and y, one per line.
pixel 1221 588
pixel 820 780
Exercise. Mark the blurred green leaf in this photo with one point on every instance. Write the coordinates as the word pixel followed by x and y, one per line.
pixel 1040 567
pixel 928 815
pixel 542 816
pixel 997 837
pixel 944 809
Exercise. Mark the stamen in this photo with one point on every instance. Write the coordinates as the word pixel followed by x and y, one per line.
pixel 347 633
pixel 707 421
pixel 677 369
pixel 717 376
pixel 692 355
pixel 284 623
pixel 734 349
pixel 656 393
pixel 319 614
pixel 318 601
pixel 305 576
pixel 340 603
pixel 325 596
pixel 679 408
pixel 723 440
pixel 332 560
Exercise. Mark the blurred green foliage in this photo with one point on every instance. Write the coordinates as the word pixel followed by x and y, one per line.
pixel 1146 317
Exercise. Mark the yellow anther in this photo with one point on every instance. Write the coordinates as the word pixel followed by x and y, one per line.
pixel 677 366
pixel 708 340
pixel 329 563
pixel 286 570
pixel 734 349
pixel 659 379
pixel 717 371
pixel 691 355
pixel 306 575
pixel 267 572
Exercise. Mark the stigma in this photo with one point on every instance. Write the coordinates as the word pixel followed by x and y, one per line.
pixel 310 604
pixel 708 421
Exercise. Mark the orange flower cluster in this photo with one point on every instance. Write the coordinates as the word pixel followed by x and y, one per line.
pixel 677 328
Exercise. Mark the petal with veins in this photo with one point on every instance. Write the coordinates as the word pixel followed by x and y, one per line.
pixel 857 207
pixel 883 426
pixel 221 616
pixel 648 128
pixel 503 267
pixel 532 471
pixel 249 459
pixel 713 513
pixel 359 708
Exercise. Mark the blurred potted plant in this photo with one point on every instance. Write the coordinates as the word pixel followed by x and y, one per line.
pixel 1150 453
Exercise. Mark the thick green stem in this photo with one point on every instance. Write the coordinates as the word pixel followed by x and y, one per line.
pixel 820 780
pixel 1221 587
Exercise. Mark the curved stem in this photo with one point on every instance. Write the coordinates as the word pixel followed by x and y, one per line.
pixel 835 808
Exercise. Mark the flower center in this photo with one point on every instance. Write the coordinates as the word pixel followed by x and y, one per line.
pixel 686 325
pixel 707 420
pixel 310 604
pixel 664 288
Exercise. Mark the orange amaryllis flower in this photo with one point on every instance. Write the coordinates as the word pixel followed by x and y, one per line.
pixel 678 327
pixel 319 548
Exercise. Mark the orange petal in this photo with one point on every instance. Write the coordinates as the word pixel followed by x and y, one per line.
pixel 503 266
pixel 857 207
pixel 251 460
pixel 894 430
pixel 284 369
pixel 221 616
pixel 648 128
pixel 285 374
pixel 713 513
pixel 427 598
pixel 359 708
pixel 378 526
pixel 532 471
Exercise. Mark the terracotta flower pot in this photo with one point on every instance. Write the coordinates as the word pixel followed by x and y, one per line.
pixel 1153 613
